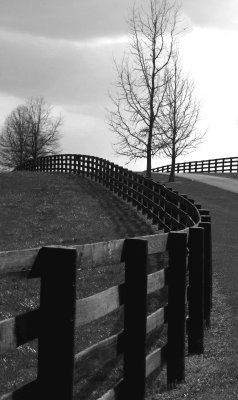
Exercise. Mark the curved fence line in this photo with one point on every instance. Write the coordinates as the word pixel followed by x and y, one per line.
pixel 165 207
pixel 222 165
pixel 176 264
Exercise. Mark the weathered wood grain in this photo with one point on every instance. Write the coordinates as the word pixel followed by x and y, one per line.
pixel 153 362
pixel 95 253
pixel 155 281
pixel 98 305
pixel 17 260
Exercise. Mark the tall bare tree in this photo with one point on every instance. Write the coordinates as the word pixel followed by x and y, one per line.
pixel 140 85
pixel 30 131
pixel 180 115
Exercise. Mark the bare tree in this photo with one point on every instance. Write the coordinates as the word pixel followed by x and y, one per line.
pixel 14 138
pixel 180 115
pixel 44 129
pixel 140 85
pixel 30 131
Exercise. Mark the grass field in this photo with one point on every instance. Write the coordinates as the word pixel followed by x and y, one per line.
pixel 40 209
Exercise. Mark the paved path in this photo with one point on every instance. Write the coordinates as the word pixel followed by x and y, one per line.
pixel 221 182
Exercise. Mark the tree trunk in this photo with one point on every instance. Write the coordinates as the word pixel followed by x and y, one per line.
pixel 172 172
pixel 173 157
pixel 148 168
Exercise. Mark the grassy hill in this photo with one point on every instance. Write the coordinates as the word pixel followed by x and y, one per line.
pixel 39 209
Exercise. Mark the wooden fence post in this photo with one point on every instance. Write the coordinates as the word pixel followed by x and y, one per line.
pixel 177 247
pixel 119 175
pixel 144 197
pixel 112 180
pixel 207 272
pixel 139 190
pixel 57 269
pixel 136 251
pixel 196 291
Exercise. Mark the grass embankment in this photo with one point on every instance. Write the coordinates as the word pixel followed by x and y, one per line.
pixel 40 209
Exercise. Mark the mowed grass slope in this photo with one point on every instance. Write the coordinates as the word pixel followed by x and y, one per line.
pixel 39 209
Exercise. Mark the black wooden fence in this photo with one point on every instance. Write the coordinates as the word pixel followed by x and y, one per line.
pixel 221 165
pixel 187 277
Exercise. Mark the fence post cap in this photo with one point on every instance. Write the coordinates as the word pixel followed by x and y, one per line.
pixel 44 258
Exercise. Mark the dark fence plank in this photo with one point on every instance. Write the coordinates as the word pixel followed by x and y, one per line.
pixel 207 271
pixel 57 269
pixel 177 246
pixel 135 318
pixel 196 291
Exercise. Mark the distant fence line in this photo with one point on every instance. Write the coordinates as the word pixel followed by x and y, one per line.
pixel 187 275
pixel 222 165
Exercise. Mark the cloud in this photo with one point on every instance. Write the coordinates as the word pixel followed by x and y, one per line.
pixel 64 50
pixel 71 19
pixel 84 19
pixel 75 73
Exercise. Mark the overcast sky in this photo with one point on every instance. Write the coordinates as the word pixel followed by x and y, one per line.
pixel 64 49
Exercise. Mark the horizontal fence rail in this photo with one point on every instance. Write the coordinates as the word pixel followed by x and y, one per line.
pixel 185 278
pixel 222 165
